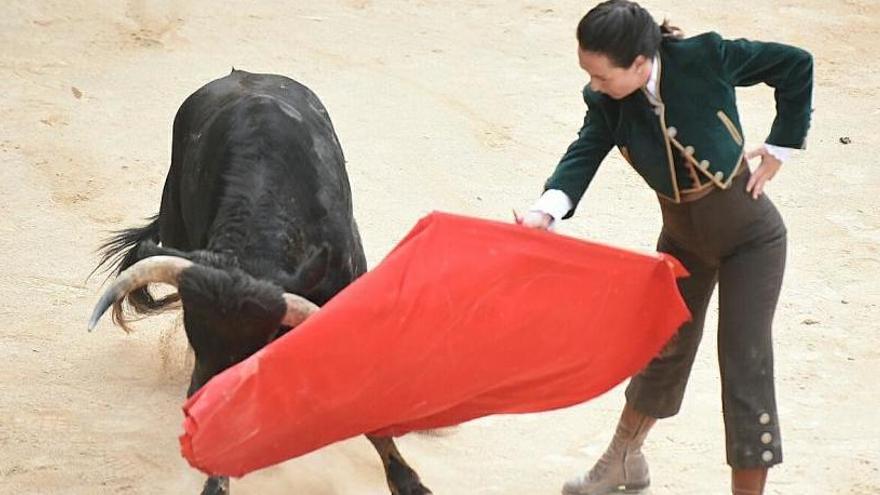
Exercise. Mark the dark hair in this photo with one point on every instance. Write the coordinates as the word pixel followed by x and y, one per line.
pixel 622 30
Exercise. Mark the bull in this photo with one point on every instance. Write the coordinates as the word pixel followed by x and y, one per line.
pixel 255 231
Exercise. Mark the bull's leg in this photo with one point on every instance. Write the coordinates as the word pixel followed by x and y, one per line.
pixel 216 485
pixel 402 479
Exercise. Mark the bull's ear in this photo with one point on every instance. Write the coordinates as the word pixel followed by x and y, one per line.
pixel 266 309
pixel 311 271
pixel 261 319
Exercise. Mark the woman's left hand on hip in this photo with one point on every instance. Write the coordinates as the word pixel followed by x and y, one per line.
pixel 766 170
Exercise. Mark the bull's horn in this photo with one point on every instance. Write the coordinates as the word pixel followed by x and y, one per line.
pixel 155 269
pixel 298 309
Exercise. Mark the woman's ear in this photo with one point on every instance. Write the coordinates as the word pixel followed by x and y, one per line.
pixel 640 63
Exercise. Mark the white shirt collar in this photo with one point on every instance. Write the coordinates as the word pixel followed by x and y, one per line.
pixel 651 85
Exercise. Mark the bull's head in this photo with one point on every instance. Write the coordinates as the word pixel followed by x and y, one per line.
pixel 228 315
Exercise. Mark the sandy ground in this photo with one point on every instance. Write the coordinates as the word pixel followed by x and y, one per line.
pixel 456 106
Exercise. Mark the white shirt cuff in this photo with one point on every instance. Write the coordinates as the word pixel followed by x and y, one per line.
pixel 553 202
pixel 779 152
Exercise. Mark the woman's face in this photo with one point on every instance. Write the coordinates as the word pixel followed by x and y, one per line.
pixel 616 82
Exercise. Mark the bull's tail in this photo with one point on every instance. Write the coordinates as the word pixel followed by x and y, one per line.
pixel 120 252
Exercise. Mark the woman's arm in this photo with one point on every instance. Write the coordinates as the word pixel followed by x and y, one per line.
pixel 788 69
pixel 578 165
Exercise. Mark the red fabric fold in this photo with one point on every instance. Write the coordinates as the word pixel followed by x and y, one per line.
pixel 464 318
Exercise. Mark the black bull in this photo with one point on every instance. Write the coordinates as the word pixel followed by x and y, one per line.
pixel 255 224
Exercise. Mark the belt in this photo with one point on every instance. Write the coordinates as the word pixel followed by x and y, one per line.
pixel 691 195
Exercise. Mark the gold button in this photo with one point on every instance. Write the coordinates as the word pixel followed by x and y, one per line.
pixel 767 456
pixel 704 164
pixel 688 150
pixel 764 419
pixel 719 176
pixel 766 438
pixel 671 132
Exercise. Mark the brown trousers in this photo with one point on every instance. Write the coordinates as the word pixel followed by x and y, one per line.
pixel 739 243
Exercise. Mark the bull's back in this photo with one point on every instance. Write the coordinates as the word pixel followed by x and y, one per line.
pixel 225 115
pixel 267 136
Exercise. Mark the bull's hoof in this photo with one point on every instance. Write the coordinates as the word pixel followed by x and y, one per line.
pixel 216 486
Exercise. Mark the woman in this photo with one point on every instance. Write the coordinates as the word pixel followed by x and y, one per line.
pixel 669 106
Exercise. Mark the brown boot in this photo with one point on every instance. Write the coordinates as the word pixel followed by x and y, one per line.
pixel 748 481
pixel 623 466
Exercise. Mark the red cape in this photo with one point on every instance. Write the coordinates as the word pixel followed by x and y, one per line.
pixel 464 318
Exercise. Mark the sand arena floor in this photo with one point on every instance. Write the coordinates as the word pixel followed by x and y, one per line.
pixel 455 106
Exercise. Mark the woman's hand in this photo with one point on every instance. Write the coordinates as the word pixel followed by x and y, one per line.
pixel 534 219
pixel 766 170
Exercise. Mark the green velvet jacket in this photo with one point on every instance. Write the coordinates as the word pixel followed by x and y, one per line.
pixel 690 138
